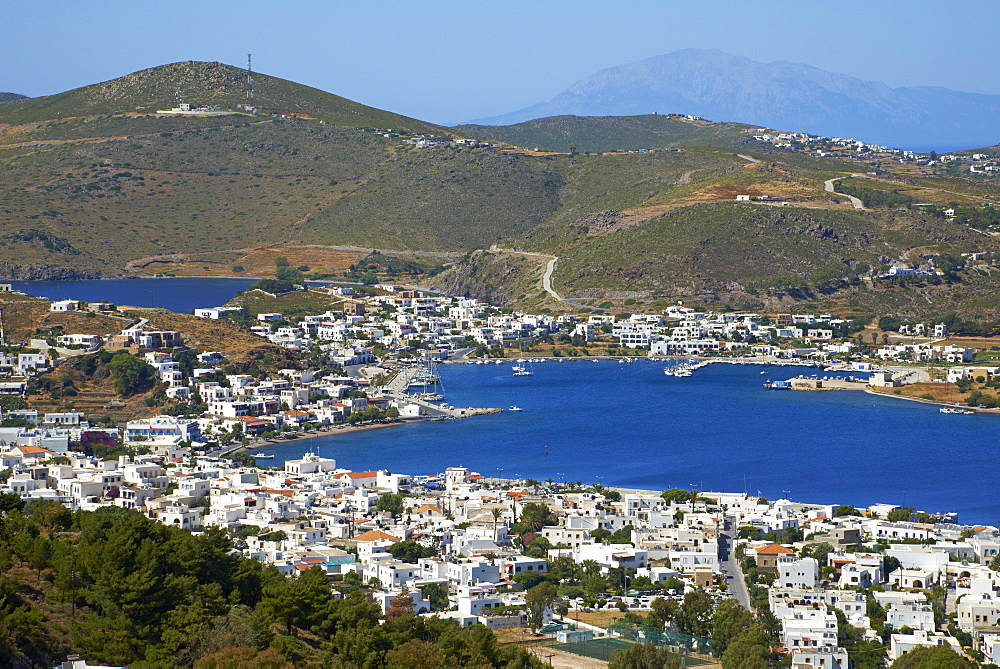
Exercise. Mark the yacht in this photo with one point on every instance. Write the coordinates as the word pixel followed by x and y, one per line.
pixel 514 408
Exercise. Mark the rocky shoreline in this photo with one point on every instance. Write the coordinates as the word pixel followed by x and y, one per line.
pixel 17 272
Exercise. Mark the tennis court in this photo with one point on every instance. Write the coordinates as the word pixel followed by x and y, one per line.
pixel 601 649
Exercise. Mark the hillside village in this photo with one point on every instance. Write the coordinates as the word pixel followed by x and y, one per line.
pixel 366 359
pixel 471 548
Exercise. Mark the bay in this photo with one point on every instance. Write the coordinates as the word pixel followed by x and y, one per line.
pixel 630 425
pixel 179 294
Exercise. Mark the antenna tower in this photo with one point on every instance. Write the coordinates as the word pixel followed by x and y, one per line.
pixel 249 81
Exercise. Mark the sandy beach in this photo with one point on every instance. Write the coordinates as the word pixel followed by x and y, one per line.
pixel 260 444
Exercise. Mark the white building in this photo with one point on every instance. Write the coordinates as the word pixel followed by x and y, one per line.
pixel 797 573
pixel 901 644
pixel 161 433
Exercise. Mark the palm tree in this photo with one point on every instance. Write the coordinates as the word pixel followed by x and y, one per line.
pixel 589 568
pixel 496 516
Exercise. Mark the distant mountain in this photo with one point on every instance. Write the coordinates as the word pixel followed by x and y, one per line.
pixel 7 97
pixel 787 96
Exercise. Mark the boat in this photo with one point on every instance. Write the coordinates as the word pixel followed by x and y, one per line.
pixel 427 380
pixel 967 412
pixel 430 397
pixel 269 456
pixel 514 408
pixel 520 369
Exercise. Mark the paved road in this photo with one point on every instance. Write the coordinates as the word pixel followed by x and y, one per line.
pixel 547 279
pixel 546 276
pixel 828 186
pixel 752 160
pixel 730 565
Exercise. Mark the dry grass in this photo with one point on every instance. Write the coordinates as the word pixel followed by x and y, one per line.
pixel 235 342
pixel 971 342
pixel 597 618
pixel 94 399
pixel 21 316
pixel 940 392
pixel 260 261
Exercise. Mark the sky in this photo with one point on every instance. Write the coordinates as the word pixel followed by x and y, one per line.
pixel 449 61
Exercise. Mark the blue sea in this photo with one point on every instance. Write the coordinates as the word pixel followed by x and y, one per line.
pixel 719 430
pixel 178 294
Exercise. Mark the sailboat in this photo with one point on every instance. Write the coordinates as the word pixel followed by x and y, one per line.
pixel 430 379
pixel 520 369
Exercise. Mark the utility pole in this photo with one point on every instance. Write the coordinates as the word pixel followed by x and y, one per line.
pixel 249 82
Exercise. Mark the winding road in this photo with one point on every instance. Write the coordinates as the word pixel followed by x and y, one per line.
pixel 828 187
pixel 547 279
pixel 546 275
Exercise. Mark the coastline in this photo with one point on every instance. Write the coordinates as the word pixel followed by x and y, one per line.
pixel 940 403
pixel 260 444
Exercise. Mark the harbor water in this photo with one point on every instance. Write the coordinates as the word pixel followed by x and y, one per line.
pixel 630 425
pixel 180 294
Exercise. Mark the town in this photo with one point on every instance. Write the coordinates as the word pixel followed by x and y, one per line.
pixel 837 580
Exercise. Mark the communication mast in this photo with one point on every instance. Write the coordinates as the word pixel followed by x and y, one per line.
pixel 249 81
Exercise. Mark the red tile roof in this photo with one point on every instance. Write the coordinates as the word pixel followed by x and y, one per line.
pixel 30 450
pixel 429 507
pixel 375 535
pixel 774 549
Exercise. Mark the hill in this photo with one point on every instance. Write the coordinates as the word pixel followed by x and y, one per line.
pixel 613 133
pixel 211 84
pixel 723 87
pixel 7 97
pixel 94 183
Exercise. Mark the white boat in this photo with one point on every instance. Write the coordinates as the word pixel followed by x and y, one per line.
pixel 514 408
pixel 269 456
pixel 523 366
pixel 967 412
pixel 430 397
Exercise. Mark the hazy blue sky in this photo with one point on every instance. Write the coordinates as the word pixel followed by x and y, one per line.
pixel 454 60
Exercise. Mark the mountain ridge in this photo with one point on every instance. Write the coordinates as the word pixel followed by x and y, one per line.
pixel 93 179
pixel 781 94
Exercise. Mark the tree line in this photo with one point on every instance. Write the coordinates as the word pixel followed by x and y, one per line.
pixel 121 589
